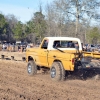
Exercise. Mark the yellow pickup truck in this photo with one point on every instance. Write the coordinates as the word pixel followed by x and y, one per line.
pixel 58 55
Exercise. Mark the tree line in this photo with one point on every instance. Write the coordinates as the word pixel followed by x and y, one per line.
pixel 71 18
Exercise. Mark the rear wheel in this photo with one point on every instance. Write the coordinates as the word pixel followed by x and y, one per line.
pixel 57 72
pixel 31 68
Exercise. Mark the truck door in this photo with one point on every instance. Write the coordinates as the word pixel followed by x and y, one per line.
pixel 43 54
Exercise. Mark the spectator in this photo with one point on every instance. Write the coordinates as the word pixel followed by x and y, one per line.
pixel 84 47
pixel 3 47
pixel 9 47
pixel 13 47
pixel 88 48
pixel 77 46
pixel 28 46
pixel 69 44
pixel 72 45
pixel 19 48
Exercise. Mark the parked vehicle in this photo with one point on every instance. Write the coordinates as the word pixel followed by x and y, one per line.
pixel 90 47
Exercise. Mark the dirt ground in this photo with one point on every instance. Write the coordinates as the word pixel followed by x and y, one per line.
pixel 15 84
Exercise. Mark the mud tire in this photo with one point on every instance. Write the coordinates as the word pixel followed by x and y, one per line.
pixel 31 68
pixel 57 71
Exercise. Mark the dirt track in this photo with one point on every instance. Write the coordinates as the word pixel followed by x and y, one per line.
pixel 15 84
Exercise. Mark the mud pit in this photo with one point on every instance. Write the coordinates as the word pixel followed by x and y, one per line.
pixel 15 84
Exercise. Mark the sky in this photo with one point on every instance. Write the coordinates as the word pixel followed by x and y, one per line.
pixel 22 9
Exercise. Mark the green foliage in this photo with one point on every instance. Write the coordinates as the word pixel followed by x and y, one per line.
pixel 93 35
pixel 18 31
pixel 40 24
pixel 61 18
pixel 3 24
pixel 29 27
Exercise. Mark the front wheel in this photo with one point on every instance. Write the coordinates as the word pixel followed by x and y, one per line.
pixel 57 71
pixel 31 68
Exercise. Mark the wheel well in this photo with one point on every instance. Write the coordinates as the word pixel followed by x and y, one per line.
pixel 57 60
pixel 30 58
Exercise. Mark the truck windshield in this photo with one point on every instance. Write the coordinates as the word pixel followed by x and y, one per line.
pixel 45 44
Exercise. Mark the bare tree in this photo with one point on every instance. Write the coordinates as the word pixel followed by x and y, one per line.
pixel 12 21
pixel 76 10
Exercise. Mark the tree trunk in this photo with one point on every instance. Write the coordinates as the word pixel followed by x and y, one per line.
pixel 77 19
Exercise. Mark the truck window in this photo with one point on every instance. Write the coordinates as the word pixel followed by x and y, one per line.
pixel 45 44
pixel 56 44
pixel 64 44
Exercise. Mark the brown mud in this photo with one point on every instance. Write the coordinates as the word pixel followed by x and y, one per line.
pixel 15 84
